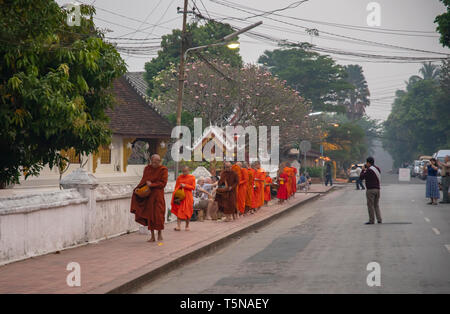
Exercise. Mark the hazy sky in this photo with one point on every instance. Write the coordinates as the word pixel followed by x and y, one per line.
pixel 126 18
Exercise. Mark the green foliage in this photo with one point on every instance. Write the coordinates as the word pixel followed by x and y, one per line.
pixel 318 78
pixel 54 82
pixel 314 172
pixel 197 35
pixel 420 119
pixel 356 99
pixel 443 27
pixel 351 143
pixel 187 119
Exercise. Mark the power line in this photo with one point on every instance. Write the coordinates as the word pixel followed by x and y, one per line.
pixel 238 7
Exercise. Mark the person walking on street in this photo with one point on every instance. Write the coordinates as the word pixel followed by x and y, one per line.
pixel 372 175
pixel 182 199
pixel 432 188
pixel 150 210
pixel 328 175
pixel 354 174
pixel 445 183
pixel 226 191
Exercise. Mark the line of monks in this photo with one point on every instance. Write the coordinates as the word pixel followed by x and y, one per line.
pixel 241 190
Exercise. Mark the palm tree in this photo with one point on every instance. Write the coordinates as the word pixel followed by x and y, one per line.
pixel 357 99
pixel 428 70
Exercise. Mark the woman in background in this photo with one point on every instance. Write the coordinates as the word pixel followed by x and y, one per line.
pixel 432 189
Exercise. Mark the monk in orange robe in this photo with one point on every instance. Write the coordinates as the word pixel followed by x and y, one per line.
pixel 185 208
pixel 237 169
pixel 150 211
pixel 288 172
pixel 250 183
pixel 242 189
pixel 268 183
pixel 258 191
pixel 294 180
pixel 263 183
pixel 226 192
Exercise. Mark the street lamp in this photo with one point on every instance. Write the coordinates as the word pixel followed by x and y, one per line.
pixel 226 41
pixel 229 44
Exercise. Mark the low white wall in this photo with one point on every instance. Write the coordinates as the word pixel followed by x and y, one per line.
pixel 37 224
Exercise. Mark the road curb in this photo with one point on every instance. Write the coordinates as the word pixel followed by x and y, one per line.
pixel 140 280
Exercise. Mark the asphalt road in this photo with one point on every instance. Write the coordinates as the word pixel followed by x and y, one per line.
pixel 324 247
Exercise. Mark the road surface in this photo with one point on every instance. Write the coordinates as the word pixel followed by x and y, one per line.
pixel 324 247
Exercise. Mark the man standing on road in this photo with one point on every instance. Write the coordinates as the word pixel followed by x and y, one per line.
pixel 372 175
pixel 445 174
pixel 328 175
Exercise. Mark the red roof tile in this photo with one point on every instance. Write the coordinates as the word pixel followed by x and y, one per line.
pixel 133 116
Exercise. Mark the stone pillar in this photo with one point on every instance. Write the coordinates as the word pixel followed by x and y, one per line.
pixel 86 184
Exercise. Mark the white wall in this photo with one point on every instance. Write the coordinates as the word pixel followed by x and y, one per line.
pixel 37 224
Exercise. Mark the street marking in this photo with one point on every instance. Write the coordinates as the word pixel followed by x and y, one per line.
pixel 427 219
pixel 436 231
pixel 448 247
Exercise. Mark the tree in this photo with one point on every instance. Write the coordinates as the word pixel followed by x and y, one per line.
pixel 317 77
pixel 419 121
pixel 357 98
pixel 443 27
pixel 346 141
pixel 428 70
pixel 54 82
pixel 196 35
pixel 238 96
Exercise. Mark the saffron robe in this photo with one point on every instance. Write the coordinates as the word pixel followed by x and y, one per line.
pixel 242 190
pixel 294 180
pixel 185 209
pixel 151 211
pixel 282 186
pixel 288 172
pixel 250 183
pixel 267 195
pixel 225 197
pixel 237 170
pixel 258 191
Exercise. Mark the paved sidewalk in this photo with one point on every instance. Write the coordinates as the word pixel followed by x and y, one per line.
pixel 316 188
pixel 121 263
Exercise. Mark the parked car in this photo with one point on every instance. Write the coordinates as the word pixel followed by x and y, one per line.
pixel 416 168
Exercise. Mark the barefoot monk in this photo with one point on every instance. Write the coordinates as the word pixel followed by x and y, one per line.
pixel 149 210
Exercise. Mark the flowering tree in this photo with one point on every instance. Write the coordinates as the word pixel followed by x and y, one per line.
pixel 225 95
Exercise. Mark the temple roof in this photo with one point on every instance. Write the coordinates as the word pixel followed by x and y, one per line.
pixel 134 115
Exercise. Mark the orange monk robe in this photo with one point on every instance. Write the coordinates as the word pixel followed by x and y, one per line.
pixel 185 209
pixel 255 186
pixel 258 191
pixel 294 180
pixel 242 190
pixel 237 170
pixel 151 211
pixel 263 177
pixel 250 183
pixel 288 171
pixel 267 195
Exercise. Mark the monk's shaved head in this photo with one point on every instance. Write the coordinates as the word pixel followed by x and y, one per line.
pixel 239 164
pixel 155 160
pixel 227 165
pixel 185 170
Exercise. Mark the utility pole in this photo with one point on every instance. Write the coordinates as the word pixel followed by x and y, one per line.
pixel 181 74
